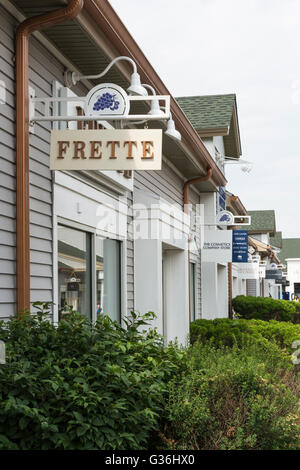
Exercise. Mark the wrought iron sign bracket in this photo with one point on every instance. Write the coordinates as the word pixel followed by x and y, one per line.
pixel 115 106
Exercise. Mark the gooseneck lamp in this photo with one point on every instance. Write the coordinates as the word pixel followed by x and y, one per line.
pixel 135 88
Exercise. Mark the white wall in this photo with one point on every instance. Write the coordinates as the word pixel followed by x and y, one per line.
pixel 214 276
pixel 148 279
pixel 263 237
pixel 161 264
pixel 293 273
pixel 175 295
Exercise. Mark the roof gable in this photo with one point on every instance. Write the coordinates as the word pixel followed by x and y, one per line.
pixel 276 240
pixel 214 115
pixel 290 249
pixel 262 222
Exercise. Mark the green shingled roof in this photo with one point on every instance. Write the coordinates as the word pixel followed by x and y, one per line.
pixel 290 249
pixel 262 222
pixel 214 113
pixel 276 240
pixel 208 112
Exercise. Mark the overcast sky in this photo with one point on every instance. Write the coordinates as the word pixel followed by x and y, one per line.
pixel 247 47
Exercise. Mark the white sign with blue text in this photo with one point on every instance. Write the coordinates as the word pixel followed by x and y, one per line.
pixel 225 246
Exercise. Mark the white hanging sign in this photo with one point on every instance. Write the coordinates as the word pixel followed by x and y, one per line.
pixel 217 246
pixel 249 270
pixel 120 149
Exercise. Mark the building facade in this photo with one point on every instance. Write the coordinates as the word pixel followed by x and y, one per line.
pixel 85 247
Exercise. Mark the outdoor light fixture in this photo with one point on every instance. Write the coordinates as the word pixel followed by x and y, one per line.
pixel 104 102
pixel 135 88
pixel 171 130
pixel 155 108
pixel 247 165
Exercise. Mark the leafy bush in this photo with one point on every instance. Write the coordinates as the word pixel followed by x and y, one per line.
pixel 226 332
pixel 82 386
pixel 263 308
pixel 234 399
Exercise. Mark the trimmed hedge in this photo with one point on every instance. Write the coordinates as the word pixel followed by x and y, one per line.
pixel 83 386
pixel 225 332
pixel 264 308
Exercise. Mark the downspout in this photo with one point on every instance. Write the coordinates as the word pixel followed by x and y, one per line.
pixel 186 210
pixel 193 181
pixel 25 29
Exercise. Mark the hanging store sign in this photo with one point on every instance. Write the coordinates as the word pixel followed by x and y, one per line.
pixel 217 246
pixel 262 271
pixel 130 149
pixel 222 198
pixel 284 282
pixel 249 270
pixel 239 246
pixel 106 100
pixel 225 246
pixel 273 274
pixel 225 218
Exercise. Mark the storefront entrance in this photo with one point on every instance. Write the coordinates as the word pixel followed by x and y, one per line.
pixel 88 273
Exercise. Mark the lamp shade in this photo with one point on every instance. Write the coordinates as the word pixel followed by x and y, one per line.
pixel 172 132
pixel 155 109
pixel 136 87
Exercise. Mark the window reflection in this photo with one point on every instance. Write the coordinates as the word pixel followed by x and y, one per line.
pixel 74 270
pixel 108 277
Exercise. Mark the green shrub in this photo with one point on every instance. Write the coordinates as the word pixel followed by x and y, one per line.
pixel 82 386
pixel 226 332
pixel 234 398
pixel 263 308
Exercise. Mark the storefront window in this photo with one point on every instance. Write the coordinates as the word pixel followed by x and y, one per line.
pixel 76 274
pixel 192 291
pixel 74 270
pixel 108 277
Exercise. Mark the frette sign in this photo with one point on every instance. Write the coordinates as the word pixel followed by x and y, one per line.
pixel 120 149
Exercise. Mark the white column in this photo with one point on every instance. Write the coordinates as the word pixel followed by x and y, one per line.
pixel 148 279
pixel 176 295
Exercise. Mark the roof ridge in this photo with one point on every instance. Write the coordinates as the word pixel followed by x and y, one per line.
pixel 206 96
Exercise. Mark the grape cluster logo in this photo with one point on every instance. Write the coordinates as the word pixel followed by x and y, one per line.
pixel 225 218
pixel 106 101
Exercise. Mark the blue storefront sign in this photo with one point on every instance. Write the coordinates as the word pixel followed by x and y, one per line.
pixel 222 198
pixel 239 246
pixel 273 274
